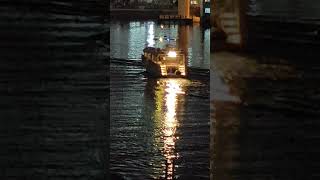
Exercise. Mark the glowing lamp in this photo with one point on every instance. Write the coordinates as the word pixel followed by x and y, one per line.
pixel 172 54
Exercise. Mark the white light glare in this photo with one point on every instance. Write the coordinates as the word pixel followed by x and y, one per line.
pixel 172 54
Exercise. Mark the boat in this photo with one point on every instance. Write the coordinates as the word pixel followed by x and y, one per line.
pixel 167 62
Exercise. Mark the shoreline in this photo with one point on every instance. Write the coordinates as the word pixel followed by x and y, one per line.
pixel 140 13
pixel 141 10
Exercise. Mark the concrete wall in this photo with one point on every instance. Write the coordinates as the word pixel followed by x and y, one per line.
pixel 228 16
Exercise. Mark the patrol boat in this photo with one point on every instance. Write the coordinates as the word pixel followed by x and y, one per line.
pixel 168 62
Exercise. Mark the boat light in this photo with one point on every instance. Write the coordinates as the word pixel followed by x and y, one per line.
pixel 172 54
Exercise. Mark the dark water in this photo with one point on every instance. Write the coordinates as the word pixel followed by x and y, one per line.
pixel 52 90
pixel 128 39
pixel 265 117
pixel 294 9
pixel 159 127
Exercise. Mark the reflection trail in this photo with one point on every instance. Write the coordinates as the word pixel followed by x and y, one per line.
pixel 150 37
pixel 173 88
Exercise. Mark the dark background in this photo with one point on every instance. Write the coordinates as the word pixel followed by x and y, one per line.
pixel 54 91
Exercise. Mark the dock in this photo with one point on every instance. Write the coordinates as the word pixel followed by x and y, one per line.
pixel 175 19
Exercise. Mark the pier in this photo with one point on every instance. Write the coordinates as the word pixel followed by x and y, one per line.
pixel 175 19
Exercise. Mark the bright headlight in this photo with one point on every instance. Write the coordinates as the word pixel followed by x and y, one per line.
pixel 172 54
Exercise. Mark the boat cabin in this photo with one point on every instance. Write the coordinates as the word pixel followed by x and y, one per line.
pixel 170 61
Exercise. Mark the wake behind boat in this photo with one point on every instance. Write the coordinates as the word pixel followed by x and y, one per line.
pixel 168 62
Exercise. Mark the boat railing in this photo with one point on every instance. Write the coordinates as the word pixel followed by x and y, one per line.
pixel 179 60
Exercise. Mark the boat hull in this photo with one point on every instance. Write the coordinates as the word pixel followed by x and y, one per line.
pixel 152 68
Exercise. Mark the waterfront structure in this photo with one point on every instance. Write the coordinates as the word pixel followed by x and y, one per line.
pixel 184 8
pixel 248 22
pixel 142 3
pixel 205 11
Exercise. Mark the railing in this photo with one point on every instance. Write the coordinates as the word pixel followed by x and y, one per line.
pixel 172 17
pixel 179 60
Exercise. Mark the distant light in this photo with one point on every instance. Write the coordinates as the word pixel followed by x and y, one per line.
pixel 172 54
pixel 160 39
pixel 194 2
pixel 207 10
pixel 162 26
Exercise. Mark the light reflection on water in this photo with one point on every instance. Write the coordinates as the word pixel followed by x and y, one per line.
pixel 128 39
pixel 158 129
pixel 150 39
pixel 172 88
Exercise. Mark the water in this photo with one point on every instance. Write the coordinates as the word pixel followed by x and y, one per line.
pixel 53 92
pixel 159 127
pixel 265 117
pixel 294 9
pixel 128 39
